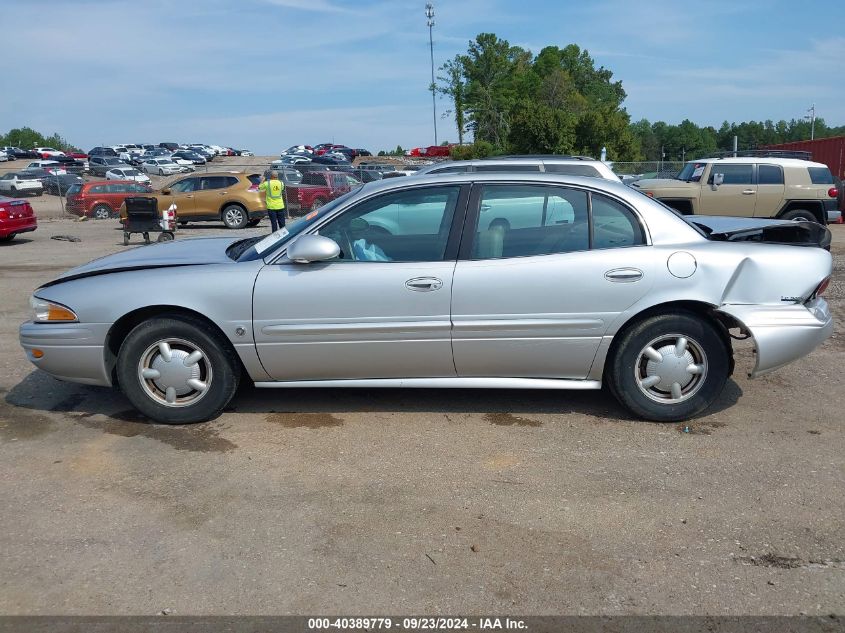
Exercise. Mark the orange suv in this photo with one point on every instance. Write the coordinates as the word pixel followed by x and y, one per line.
pixel 230 197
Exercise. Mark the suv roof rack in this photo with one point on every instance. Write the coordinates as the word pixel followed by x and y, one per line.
pixel 539 156
pixel 763 153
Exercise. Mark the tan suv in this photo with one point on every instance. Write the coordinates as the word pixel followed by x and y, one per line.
pixel 230 197
pixel 764 187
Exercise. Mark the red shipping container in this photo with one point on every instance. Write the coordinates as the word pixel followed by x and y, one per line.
pixel 830 151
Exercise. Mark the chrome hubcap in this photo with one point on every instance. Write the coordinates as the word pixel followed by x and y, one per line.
pixel 671 369
pixel 102 214
pixel 174 372
pixel 234 216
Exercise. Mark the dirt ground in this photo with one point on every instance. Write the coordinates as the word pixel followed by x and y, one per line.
pixel 390 501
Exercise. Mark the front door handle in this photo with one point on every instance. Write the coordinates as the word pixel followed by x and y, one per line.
pixel 747 192
pixel 624 275
pixel 424 284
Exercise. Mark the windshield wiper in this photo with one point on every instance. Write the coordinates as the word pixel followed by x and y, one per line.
pixel 241 246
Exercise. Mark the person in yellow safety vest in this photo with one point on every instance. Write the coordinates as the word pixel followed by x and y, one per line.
pixel 274 200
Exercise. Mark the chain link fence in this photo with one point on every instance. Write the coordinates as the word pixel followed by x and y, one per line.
pixel 630 171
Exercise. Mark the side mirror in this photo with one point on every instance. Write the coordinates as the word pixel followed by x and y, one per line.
pixel 312 248
pixel 718 179
pixel 166 191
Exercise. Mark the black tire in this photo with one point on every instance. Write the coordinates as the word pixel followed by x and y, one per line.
pixel 799 214
pixel 253 222
pixel 317 204
pixel 217 370
pixel 234 216
pixel 161 172
pixel 630 367
pixel 126 239
pixel 183 223
pixel 8 238
pixel 101 212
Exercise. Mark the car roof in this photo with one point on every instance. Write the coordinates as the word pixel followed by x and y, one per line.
pixel 769 160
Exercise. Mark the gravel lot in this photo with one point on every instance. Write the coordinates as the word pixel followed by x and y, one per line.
pixel 388 501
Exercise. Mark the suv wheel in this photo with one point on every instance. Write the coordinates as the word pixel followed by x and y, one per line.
pixel 234 216
pixel 799 214
pixel 101 212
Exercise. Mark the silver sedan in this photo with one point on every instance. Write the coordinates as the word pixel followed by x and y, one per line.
pixel 497 280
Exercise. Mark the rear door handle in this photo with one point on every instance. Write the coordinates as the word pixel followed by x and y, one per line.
pixel 748 192
pixel 424 284
pixel 624 275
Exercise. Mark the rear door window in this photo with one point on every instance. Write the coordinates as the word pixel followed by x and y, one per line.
pixel 769 175
pixel 214 182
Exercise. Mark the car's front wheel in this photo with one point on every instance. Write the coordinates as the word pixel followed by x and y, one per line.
pixel 234 216
pixel 669 367
pixel 177 370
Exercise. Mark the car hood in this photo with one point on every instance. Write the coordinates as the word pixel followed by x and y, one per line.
pixel 665 183
pixel 191 252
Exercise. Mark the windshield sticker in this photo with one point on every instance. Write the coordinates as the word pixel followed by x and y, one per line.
pixel 271 239
pixel 698 171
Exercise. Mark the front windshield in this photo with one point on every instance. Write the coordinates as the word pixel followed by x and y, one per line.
pixel 253 248
pixel 691 172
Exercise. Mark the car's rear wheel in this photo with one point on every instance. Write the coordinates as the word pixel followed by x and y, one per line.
pixel 234 216
pixel 318 203
pixel 177 370
pixel 101 212
pixel 799 214
pixel 669 367
pixel 253 222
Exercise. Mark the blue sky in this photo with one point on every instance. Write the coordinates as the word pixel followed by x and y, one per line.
pixel 266 74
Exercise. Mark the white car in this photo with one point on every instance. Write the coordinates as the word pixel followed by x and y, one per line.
pixel 127 173
pixel 4 156
pixel 49 151
pixel 186 165
pixel 161 166
pixel 220 151
pixel 50 165
pixel 14 183
pixel 246 152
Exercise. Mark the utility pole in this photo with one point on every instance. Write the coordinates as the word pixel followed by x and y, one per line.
pixel 812 118
pixel 429 14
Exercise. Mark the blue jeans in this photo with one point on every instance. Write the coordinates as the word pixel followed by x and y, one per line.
pixel 277 218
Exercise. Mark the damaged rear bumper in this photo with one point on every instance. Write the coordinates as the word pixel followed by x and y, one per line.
pixel 784 333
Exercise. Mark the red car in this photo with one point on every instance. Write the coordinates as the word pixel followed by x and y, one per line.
pixel 102 199
pixel 78 155
pixel 321 149
pixel 16 216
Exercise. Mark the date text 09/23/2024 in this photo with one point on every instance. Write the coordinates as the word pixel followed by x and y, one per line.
pixel 417 623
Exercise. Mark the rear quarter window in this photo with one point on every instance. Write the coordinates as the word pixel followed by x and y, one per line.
pixel 574 170
pixel 506 168
pixel 820 175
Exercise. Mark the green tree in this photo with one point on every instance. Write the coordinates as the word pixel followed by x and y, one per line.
pixel 453 86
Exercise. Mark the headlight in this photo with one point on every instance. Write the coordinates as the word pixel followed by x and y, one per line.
pixel 49 312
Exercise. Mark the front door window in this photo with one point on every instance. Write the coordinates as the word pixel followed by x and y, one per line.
pixel 407 226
